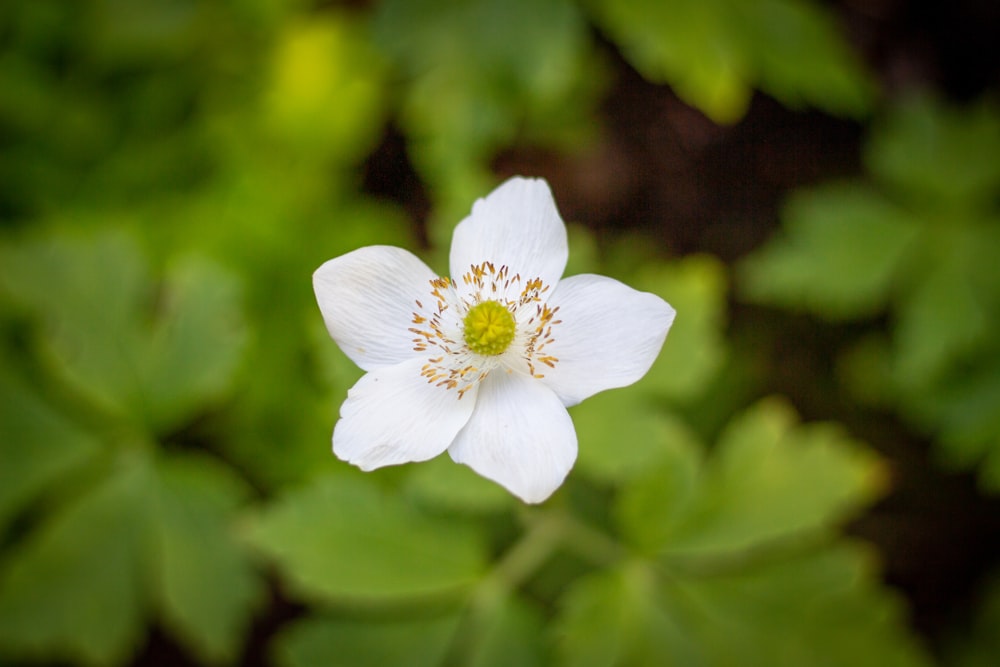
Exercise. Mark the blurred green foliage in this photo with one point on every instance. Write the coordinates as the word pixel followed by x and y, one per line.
pixel 128 532
pixel 918 241
pixel 171 173
pixel 715 53
pixel 979 645
pixel 475 77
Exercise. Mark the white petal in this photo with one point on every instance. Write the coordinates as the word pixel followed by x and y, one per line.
pixel 517 225
pixel 393 415
pixel 367 298
pixel 609 336
pixel 519 436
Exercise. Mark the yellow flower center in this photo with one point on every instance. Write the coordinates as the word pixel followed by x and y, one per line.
pixel 489 328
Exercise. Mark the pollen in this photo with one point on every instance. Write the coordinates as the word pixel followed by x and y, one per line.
pixel 489 328
pixel 501 323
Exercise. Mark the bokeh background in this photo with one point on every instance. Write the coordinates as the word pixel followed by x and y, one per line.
pixel 809 475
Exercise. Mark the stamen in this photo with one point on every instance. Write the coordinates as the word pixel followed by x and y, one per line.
pixel 503 323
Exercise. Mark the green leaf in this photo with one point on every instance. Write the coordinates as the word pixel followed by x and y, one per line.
pixel 715 53
pixel 87 294
pixel 342 537
pixel 822 608
pixel 506 631
pixel 194 349
pixel 767 479
pixel 964 410
pixel 651 506
pixel 690 45
pixel 841 250
pixel 610 618
pixel 80 584
pixel 926 256
pixel 939 155
pixel 622 434
pixel 38 445
pixel 443 484
pixel 347 642
pixel 945 316
pixel 205 582
pixel 478 76
pixel 803 58
pixel 74 589
pixel 695 347
pixel 151 356
pixel 510 634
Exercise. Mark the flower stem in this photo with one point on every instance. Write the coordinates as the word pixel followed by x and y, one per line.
pixel 545 531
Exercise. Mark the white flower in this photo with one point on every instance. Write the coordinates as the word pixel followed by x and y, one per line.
pixel 484 364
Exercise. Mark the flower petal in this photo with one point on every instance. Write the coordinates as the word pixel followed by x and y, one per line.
pixel 519 436
pixel 367 298
pixel 517 225
pixel 609 336
pixel 393 415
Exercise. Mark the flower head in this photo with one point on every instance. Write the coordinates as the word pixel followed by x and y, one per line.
pixel 483 364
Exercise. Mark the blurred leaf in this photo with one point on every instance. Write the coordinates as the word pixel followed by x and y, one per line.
pixel 196 346
pixel 38 445
pixel 152 356
pixel 978 645
pixel 477 77
pixel 109 98
pixel 343 642
pixel 508 632
pixel 866 370
pixel 944 356
pixel 75 587
pixel 653 503
pixel 256 219
pixel 621 435
pixel 158 29
pixel 85 293
pixel 442 483
pixel 609 619
pixel 81 585
pixel 326 88
pixel 768 478
pixel 841 250
pixel 341 537
pixel 695 347
pixel 26 94
pixel 925 251
pixel 946 313
pixel 938 155
pixel 511 634
pixel 715 53
pixel 822 608
pixel 205 582
pixel 689 45
pixel 583 250
pixel 966 409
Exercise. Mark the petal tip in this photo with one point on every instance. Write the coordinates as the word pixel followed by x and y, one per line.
pixel 531 492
